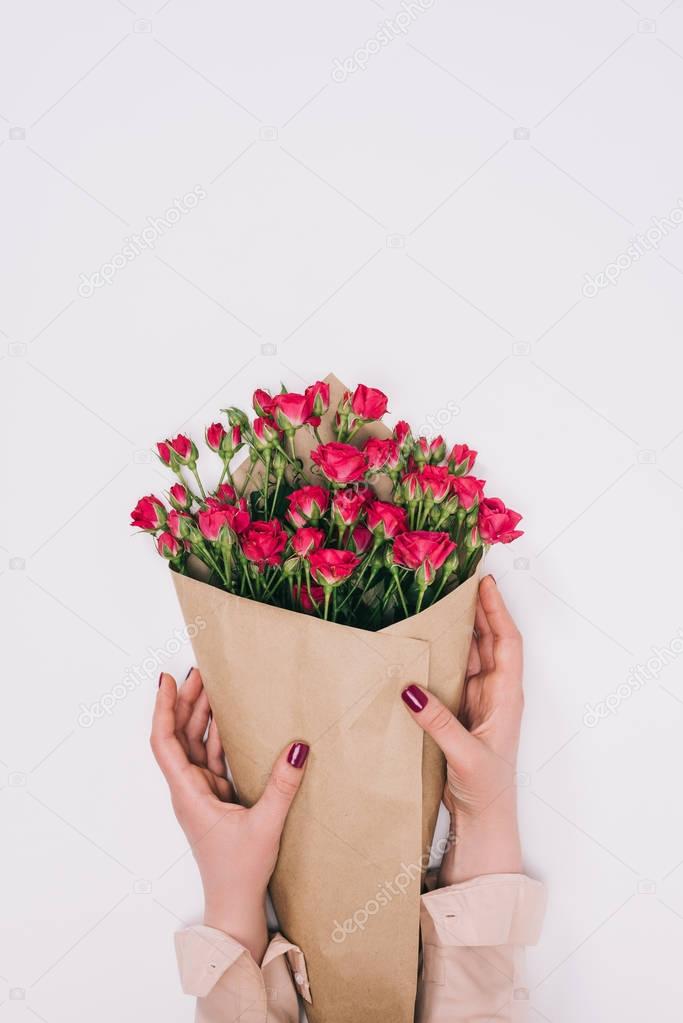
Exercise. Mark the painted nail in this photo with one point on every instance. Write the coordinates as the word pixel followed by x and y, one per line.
pixel 189 673
pixel 297 754
pixel 161 675
pixel 414 698
pixel 493 579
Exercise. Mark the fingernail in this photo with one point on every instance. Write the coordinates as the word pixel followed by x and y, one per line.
pixel 493 579
pixel 297 754
pixel 161 675
pixel 189 673
pixel 414 698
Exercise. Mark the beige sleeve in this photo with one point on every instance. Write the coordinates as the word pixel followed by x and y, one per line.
pixel 229 986
pixel 473 936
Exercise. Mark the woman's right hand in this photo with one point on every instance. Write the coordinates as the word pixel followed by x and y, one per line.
pixel 481 748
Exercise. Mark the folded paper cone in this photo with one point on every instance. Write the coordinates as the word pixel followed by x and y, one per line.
pixel 346 888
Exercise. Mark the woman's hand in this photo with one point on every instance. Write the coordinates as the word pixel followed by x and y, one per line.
pixel 235 848
pixel 481 747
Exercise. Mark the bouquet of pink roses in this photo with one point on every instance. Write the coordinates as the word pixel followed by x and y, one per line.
pixel 325 542
pixel 377 536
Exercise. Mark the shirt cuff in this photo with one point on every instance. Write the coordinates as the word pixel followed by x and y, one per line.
pixel 496 909
pixel 205 954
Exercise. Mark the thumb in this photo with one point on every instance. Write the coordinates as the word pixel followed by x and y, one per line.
pixel 448 733
pixel 282 786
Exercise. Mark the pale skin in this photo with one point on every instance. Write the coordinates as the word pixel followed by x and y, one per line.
pixel 236 848
pixel 481 747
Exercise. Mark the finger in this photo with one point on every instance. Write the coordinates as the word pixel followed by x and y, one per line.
pixel 507 640
pixel 214 751
pixel 485 637
pixel 167 750
pixel 474 660
pixel 283 785
pixel 188 694
pixel 447 732
pixel 195 730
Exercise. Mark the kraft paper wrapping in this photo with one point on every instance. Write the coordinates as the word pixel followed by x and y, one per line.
pixel 346 888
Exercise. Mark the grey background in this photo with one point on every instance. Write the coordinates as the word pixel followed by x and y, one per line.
pixel 425 225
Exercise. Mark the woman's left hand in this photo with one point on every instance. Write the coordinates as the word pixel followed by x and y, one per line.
pixel 235 848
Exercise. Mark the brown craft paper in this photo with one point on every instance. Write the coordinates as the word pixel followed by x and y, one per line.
pixel 353 846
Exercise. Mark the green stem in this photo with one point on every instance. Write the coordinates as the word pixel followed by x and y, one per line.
pixel 400 594
pixel 420 598
pixel 248 479
pixel 193 470
pixel 327 602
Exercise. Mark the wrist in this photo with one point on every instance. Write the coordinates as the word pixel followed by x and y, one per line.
pixel 244 920
pixel 485 843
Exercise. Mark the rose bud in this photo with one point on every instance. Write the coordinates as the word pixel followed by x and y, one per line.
pixel 184 450
pixel 368 403
pixel 264 542
pixel 168 546
pixel 497 523
pixel 225 493
pixel 164 452
pixel 382 454
pixel 386 520
pixel 291 411
pixel 423 552
pixel 319 397
pixel 236 417
pixel 429 451
pixel 403 436
pixel 435 482
pixel 361 538
pixel 347 506
pixel 180 497
pixel 148 514
pixel 180 524
pixel 340 463
pixel 307 505
pixel 410 487
pixel 472 538
pixel 262 403
pixel 307 539
pixel 214 436
pixel 331 567
pixel 469 489
pixel 461 459
pixel 304 597
pixel 265 433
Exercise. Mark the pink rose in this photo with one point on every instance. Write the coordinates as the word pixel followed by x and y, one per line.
pixel 168 546
pixel 307 504
pixel 291 411
pixel 180 497
pixel 497 523
pixel 164 452
pixel 361 538
pixel 265 432
pixel 423 550
pixel 212 522
pixel 386 520
pixel 369 403
pixel 225 493
pixel 262 402
pixel 340 463
pixel 179 524
pixel 319 397
pixel 431 451
pixel 382 454
pixel 185 450
pixel 302 595
pixel 435 482
pixel 461 459
pixel 330 567
pixel 403 436
pixel 264 542
pixel 469 489
pixel 307 539
pixel 214 436
pixel 347 506
pixel 148 514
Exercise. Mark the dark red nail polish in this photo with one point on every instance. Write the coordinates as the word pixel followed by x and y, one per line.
pixel 161 675
pixel 189 673
pixel 297 754
pixel 493 579
pixel 414 698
